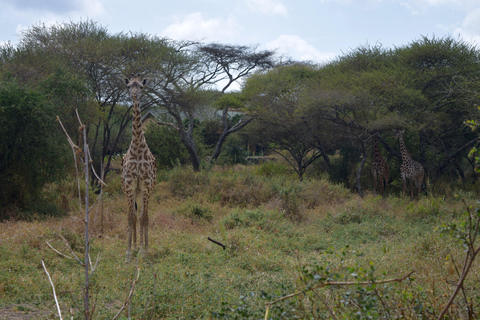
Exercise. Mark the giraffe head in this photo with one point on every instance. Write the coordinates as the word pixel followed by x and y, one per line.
pixel 135 85
pixel 398 133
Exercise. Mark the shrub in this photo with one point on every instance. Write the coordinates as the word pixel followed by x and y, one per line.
pixel 165 145
pixel 184 182
pixel 194 211
pixel 32 152
pixel 271 169
pixel 261 219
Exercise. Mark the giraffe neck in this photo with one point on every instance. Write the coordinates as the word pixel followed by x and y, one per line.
pixel 406 157
pixel 376 150
pixel 137 131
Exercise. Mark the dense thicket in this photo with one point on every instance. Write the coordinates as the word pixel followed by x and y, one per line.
pixel 428 88
pixel 31 151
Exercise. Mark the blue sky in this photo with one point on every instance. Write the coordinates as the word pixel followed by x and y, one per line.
pixel 317 30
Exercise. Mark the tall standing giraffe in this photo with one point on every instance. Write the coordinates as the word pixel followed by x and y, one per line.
pixel 139 171
pixel 380 169
pixel 410 168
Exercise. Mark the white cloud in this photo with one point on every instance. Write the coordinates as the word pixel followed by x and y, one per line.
pixel 470 29
pixel 417 6
pixel 57 7
pixel 20 29
pixel 267 7
pixel 93 8
pixel 195 27
pixel 298 49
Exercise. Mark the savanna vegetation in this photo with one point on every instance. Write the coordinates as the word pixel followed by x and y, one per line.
pixel 305 224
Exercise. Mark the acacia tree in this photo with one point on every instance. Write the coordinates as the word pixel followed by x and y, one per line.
pixel 102 60
pixel 273 98
pixel 427 88
pixel 182 85
pixel 445 71
pixel 233 62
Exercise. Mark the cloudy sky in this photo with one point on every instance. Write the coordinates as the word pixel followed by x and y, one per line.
pixel 315 30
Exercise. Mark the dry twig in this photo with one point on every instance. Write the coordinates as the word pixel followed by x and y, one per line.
pixel 54 294
pixel 63 255
pixel 132 289
pixel 71 250
pixel 333 283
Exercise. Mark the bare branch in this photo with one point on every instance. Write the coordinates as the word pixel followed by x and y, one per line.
pixel 127 300
pixel 168 124
pixel 334 283
pixel 71 250
pixel 63 255
pixel 53 288
pixel 76 150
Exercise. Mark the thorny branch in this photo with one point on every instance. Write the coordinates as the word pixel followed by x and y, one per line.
pixel 333 283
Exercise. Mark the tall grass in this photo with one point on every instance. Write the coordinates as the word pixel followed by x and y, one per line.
pixel 273 227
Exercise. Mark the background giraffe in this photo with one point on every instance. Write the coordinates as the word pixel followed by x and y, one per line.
pixel 410 168
pixel 380 169
pixel 139 171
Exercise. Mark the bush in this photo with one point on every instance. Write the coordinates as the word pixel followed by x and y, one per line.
pixel 165 145
pixel 31 148
pixel 195 211
pixel 233 151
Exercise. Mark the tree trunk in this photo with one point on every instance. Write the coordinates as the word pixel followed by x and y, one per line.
pixel 192 151
pixel 187 139
pixel 218 146
pixel 448 159
pixel 226 131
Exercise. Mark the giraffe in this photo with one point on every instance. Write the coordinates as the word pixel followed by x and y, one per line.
pixel 410 168
pixel 139 171
pixel 380 169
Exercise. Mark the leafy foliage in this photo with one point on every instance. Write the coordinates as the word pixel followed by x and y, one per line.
pixel 166 146
pixel 31 149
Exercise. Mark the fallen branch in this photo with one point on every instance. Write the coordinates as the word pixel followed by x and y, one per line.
pixel 333 283
pixel 216 242
pixel 54 294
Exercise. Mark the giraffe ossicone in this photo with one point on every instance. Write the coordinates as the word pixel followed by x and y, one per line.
pixel 139 171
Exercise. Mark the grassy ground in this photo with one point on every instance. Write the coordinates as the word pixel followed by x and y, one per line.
pixel 276 230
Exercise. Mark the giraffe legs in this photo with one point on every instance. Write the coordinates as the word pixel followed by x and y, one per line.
pixel 404 186
pixel 132 228
pixel 144 225
pixel 144 217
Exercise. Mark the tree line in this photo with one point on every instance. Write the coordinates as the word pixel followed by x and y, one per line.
pixel 323 115
pixel 80 65
pixel 428 88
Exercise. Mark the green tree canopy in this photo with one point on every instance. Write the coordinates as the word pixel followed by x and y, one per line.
pixel 31 148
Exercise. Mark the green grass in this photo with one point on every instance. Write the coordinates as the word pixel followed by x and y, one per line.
pixel 272 226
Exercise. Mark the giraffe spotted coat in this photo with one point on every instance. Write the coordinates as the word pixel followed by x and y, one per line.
pixel 410 169
pixel 139 172
pixel 380 170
